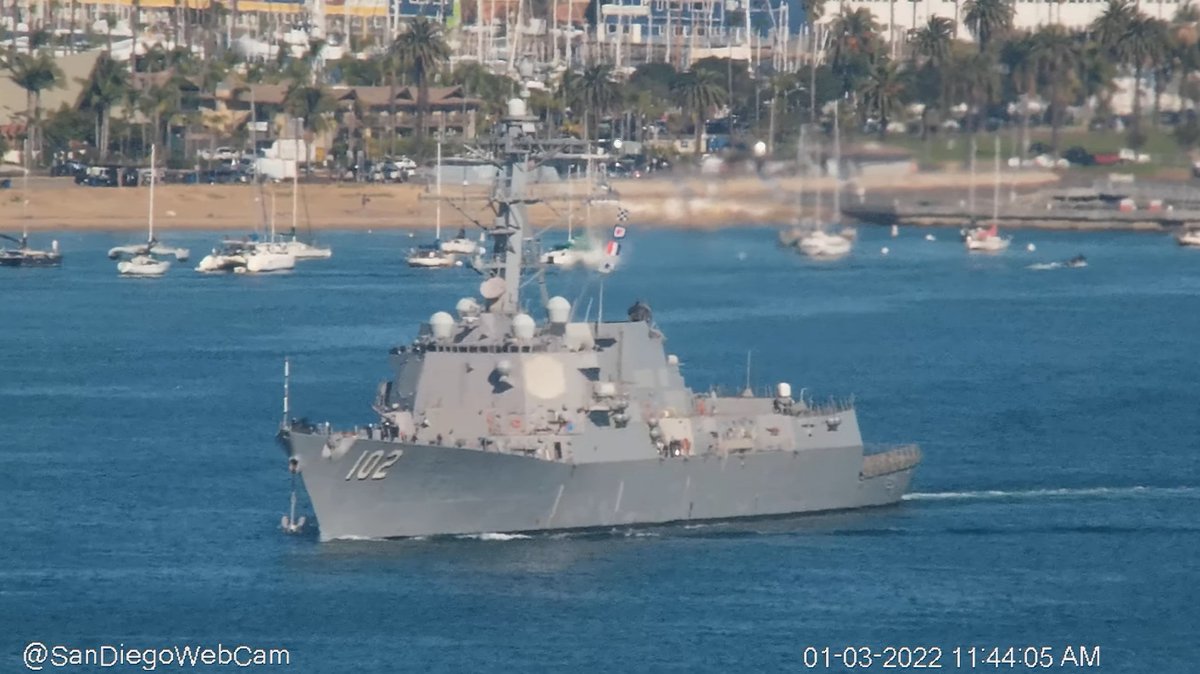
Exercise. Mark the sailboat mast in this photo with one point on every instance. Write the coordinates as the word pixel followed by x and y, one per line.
pixel 438 178
pixel 295 182
pixel 25 192
pixel 971 192
pixel 800 155
pixel 151 217
pixel 570 204
pixel 837 164
pixel 996 182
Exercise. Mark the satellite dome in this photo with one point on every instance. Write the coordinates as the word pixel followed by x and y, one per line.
pixel 467 307
pixel 442 325
pixel 492 288
pixel 516 107
pixel 558 309
pixel 523 327
pixel 504 367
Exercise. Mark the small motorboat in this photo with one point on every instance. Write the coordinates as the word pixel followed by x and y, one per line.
pixel 1076 262
pixel 143 265
pixel 1189 237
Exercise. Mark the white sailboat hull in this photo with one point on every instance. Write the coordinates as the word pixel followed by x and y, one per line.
pixel 305 251
pixel 429 262
pixel 823 245
pixel 220 263
pixel 989 244
pixel 143 266
pixel 459 246
pixel 264 260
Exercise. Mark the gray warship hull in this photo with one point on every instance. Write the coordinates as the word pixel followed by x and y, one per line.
pixel 427 490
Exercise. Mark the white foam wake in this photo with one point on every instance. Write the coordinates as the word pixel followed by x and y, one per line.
pixel 495 537
pixel 1063 492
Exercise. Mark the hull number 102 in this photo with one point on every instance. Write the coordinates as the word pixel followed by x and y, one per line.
pixel 373 465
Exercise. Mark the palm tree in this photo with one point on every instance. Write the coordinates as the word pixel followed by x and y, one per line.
pixel 422 49
pixel 1110 27
pixel 1142 46
pixel 1056 53
pixel 855 40
pixel 158 101
pixel 987 20
pixel 106 87
pixel 931 42
pixel 699 92
pixel 882 91
pixel 311 103
pixel 34 73
pixel 931 45
pixel 1018 55
pixel 594 92
pixel 973 79
pixel 1096 72
pixel 1185 33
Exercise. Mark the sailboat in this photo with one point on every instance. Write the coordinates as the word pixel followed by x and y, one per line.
pixel 144 263
pixel 435 255
pixel 986 239
pixel 152 245
pixel 302 250
pixel 23 255
pixel 273 255
pixel 821 243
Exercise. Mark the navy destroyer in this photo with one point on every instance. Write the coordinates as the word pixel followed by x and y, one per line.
pixel 503 418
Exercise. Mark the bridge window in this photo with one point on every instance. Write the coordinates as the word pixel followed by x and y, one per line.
pixel 599 418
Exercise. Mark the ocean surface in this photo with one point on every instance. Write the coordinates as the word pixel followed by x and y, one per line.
pixel 1058 503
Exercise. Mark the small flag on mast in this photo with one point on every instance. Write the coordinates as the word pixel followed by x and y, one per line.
pixel 618 232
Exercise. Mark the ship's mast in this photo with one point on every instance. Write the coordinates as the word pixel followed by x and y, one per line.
pixel 514 149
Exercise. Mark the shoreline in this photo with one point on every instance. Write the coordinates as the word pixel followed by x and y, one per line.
pixel 686 202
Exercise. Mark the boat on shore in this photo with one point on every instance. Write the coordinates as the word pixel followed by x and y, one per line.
pixel 1189 237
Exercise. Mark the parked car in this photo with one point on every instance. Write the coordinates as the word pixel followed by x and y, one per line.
pixel 221 154
pixel 1079 156
pixel 67 167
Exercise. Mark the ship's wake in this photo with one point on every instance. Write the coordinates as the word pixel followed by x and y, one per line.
pixel 1062 492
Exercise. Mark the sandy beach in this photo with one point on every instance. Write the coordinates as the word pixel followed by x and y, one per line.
pixel 688 202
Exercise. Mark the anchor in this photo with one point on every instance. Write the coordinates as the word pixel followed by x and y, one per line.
pixel 290 523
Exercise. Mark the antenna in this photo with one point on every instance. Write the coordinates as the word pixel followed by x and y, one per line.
pixel 747 392
pixel 287 375
pixel 600 307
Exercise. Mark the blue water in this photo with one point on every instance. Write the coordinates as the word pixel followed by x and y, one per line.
pixel 1058 503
